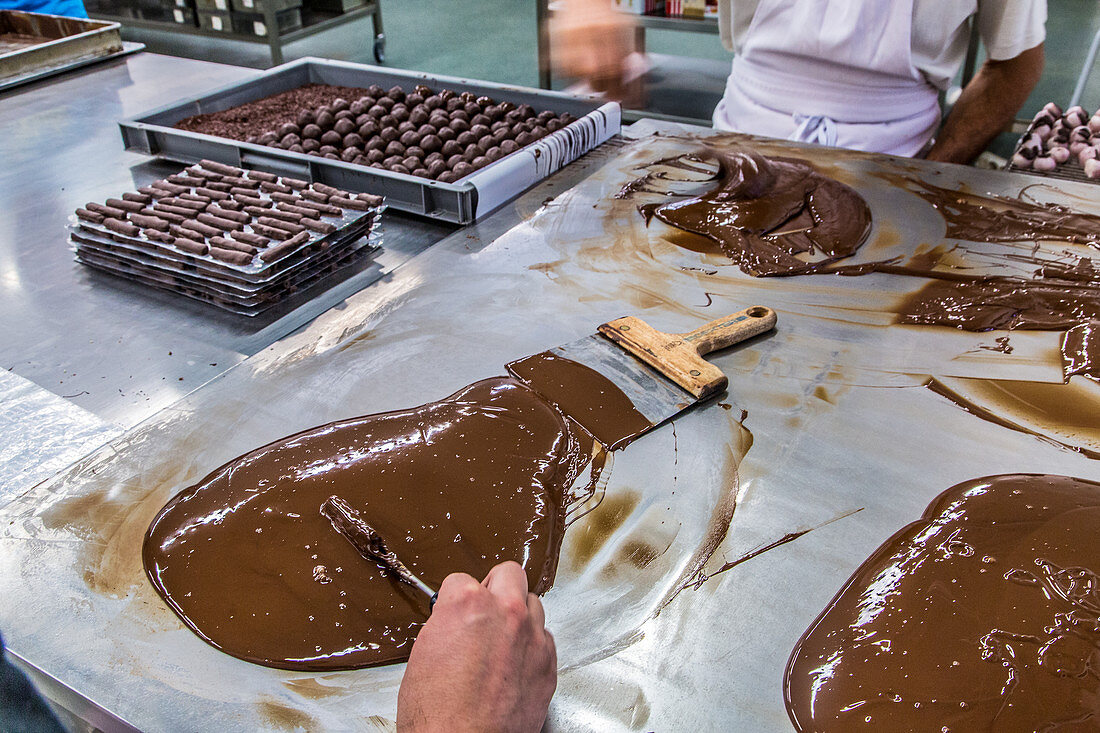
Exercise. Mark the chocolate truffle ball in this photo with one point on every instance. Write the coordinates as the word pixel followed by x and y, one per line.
pixel 361 160
pixel 524 138
pixel 420 172
pixel 339 105
pixel 454 160
pixel 501 135
pixel 480 119
pixel 401 112
pixel 406 126
pixel 399 168
pixel 375 156
pixel 439 120
pixel 509 146
pixel 267 138
pixel 485 143
pixel 436 167
pixel 470 153
pixel 353 140
pixel 332 156
pixel 350 154
pixel 295 149
pixel 479 162
pixel 431 143
pixel 446 133
pixel 554 125
pixel 494 154
pixel 409 137
pixel 544 117
pixel 433 102
pixel 514 116
pixel 466 138
pixel 327 150
pixel 414 99
pixel 459 125
pixel 427 129
pixel 430 157
pixel 395 148
pixel 344 126
pixel 419 115
pixel 360 106
pixel 460 115
pixel 325 120
pixel 306 117
pixel 462 170
pixel 389 134
pixel 288 128
pixel 375 143
pixel 454 103
pixel 289 140
pixel 539 132
pixel 386 102
pixel 479 131
pixel 411 162
pixel 506 107
pixel 415 151
pixel 311 145
pixel 344 115
pixel 526 110
pixel 568 118
pixel 377 111
pixel 391 161
pixel 375 91
pixel 446 177
pixel 493 112
pixel 332 138
pixel 388 120
pixel 370 128
pixel 472 108
pixel 396 93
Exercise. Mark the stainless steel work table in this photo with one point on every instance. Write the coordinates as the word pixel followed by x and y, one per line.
pixel 827 433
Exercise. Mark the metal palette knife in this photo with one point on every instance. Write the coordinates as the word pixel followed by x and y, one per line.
pixel 629 377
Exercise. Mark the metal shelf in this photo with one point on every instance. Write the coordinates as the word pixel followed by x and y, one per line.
pixel 314 21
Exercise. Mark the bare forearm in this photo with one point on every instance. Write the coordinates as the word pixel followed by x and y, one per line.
pixel 987 106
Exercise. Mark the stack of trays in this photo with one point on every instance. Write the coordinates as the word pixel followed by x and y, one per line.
pixel 240 240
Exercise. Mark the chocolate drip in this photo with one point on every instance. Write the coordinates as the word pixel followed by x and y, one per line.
pixel 983 615
pixel 773 215
pixel 248 562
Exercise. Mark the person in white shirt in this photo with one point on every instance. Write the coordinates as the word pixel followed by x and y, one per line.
pixel 862 74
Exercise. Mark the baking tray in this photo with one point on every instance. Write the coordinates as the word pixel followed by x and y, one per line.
pixel 35 45
pixel 461 202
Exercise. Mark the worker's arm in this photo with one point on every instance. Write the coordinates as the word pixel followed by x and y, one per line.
pixel 987 106
pixel 484 661
pixel 590 41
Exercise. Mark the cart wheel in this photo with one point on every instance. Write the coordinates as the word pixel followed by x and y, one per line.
pixel 380 48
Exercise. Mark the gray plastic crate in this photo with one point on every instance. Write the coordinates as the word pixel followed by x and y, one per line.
pixel 461 202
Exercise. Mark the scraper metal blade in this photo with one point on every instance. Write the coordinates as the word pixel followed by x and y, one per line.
pixel 630 377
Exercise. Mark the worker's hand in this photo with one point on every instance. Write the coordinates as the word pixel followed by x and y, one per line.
pixel 590 40
pixel 484 661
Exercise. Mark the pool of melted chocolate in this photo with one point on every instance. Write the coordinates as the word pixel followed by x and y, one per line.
pixel 248 562
pixel 982 615
pixel 773 216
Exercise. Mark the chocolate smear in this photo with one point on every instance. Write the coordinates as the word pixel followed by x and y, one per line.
pixel 248 562
pixel 984 615
pixel 773 216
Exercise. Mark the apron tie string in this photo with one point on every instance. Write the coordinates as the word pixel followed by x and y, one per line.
pixel 817 129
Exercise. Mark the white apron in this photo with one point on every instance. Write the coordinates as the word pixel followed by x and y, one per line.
pixel 834 72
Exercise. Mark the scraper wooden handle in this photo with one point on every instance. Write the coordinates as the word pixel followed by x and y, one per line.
pixel 679 355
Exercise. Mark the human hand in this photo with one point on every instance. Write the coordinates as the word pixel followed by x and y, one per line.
pixel 484 661
pixel 591 41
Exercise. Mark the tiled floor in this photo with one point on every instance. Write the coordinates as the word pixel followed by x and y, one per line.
pixel 495 40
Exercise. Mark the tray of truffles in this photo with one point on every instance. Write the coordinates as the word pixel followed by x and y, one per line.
pixel 240 240
pixel 35 45
pixel 438 146
pixel 1060 144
